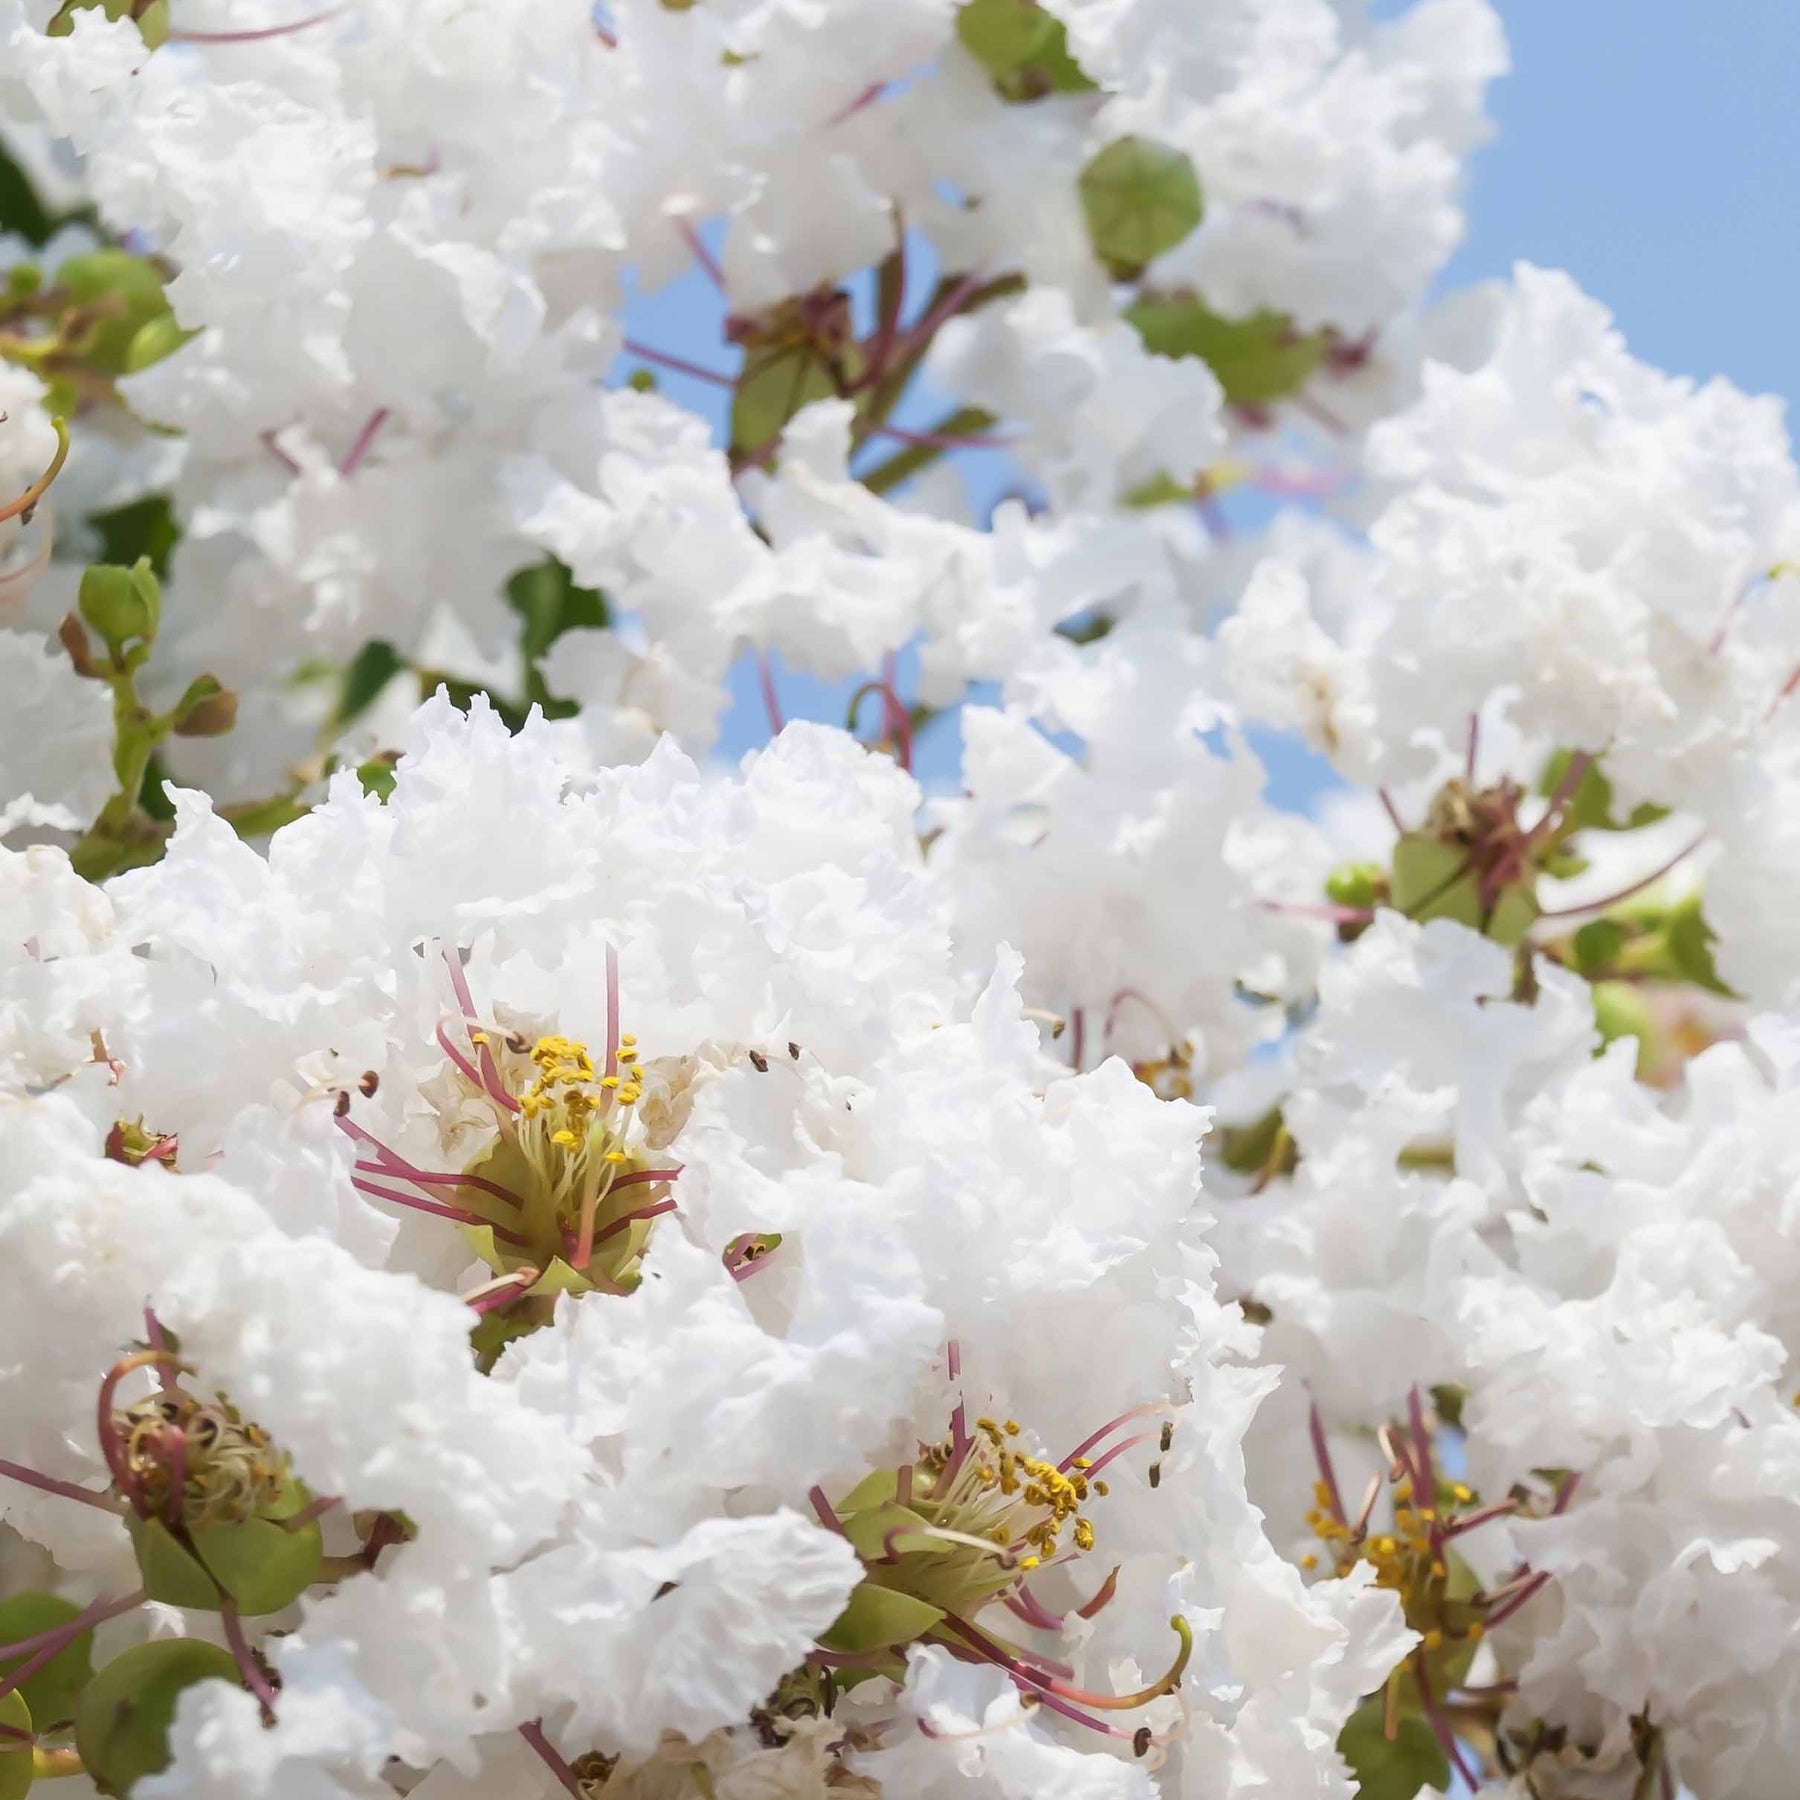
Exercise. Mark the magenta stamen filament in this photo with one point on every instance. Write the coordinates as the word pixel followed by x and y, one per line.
pixel 461 1214
pixel 69 1490
pixel 46 1646
pixel 1106 1431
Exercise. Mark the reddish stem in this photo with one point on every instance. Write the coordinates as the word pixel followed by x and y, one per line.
pixel 253 37
pixel 533 1733
pixel 354 455
pixel 704 257
pixel 679 364
pixel 1637 887
pixel 254 1679
pixel 771 701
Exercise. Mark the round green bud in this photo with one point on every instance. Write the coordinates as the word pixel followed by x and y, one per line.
pixel 122 1724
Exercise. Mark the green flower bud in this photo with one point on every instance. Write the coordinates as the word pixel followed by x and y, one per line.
pixel 121 604
pixel 1140 198
pixel 15 1763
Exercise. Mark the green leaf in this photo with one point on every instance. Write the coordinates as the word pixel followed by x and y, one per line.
pixel 1258 359
pixel 1620 1012
pixel 170 1570
pixel 1393 1771
pixel 145 528
pixel 1597 945
pixel 22 213
pixel 549 603
pixel 122 1724
pixel 1591 806
pixel 262 1565
pixel 15 1758
pixel 775 384
pixel 370 670
pixel 1247 1148
pixel 377 776
pixel 1141 198
pixel 50 1693
pixel 1690 941
pixel 878 1618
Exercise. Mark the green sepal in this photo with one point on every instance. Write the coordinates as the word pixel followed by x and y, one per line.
pixel 15 1756
pixel 868 1533
pixel 50 1693
pixel 171 1572
pixel 1397 1770
pixel 1435 880
pixel 261 1564
pixel 1140 198
pixel 774 385
pixel 122 1724
pixel 162 336
pixel 879 1618
pixel 1690 941
pixel 1258 359
pixel 873 1490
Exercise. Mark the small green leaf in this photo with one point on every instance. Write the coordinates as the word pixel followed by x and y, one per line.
pixel 15 1758
pixel 1597 945
pixel 548 602
pixel 170 1570
pixel 377 776
pixel 22 213
pixel 1141 198
pixel 1620 1012
pixel 122 1724
pixel 873 1490
pixel 122 293
pixel 1397 1770
pixel 878 1618
pixel 50 1693
pixel 262 1565
pixel 145 528
pixel 1258 359
pixel 1247 1148
pixel 1690 941
pixel 1590 807
pixel 370 670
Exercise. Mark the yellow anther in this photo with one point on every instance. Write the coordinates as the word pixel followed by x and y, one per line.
pixel 1463 1493
pixel 1309 1561
pixel 1102 1489
pixel 1475 1632
pixel 1434 1640
pixel 1029 1562
pixel 1384 1546
pixel 1439 1570
pixel 1012 1428
pixel 1084 1535
pixel 628 1038
pixel 609 1081
pixel 567 1139
pixel 615 1156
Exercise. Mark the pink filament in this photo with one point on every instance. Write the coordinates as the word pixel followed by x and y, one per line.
pixel 612 1012
pixel 69 1490
pixel 435 1208
pixel 354 455
pixel 1106 1431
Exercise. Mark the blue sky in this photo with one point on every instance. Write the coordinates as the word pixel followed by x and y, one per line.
pixel 1650 147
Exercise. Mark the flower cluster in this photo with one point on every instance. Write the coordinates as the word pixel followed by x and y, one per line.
pixel 971 1252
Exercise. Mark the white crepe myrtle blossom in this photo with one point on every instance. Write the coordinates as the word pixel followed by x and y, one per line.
pixel 824 1401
